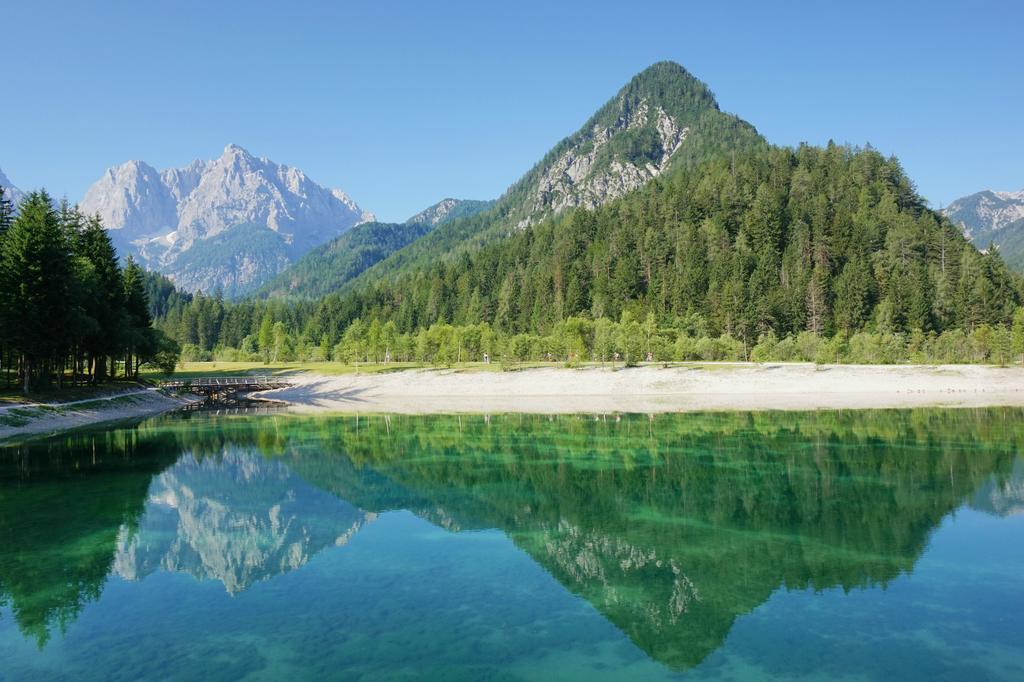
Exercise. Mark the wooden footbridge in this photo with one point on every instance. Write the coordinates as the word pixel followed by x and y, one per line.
pixel 223 386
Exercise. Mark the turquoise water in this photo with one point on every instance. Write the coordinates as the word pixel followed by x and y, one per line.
pixel 862 545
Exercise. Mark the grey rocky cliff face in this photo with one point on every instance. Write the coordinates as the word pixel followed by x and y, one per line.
pixel 599 564
pixel 578 179
pixel 159 216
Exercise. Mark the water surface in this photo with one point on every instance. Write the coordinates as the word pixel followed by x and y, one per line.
pixel 878 545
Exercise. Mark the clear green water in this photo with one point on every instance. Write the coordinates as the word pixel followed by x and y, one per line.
pixel 869 545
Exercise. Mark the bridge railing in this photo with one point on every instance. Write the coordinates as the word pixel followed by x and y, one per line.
pixel 226 382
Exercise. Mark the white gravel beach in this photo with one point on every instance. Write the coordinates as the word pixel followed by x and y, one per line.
pixel 708 386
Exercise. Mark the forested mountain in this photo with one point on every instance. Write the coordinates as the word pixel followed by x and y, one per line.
pixel 989 218
pixel 663 119
pixel 774 253
pixel 777 240
pixel 230 223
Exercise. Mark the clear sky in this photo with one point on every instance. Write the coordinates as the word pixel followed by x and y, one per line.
pixel 403 103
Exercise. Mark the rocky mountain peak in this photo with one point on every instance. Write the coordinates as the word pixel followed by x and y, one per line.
pixel 161 216
pixel 631 140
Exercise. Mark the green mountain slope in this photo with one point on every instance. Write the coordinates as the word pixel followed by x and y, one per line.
pixel 331 266
pixel 663 119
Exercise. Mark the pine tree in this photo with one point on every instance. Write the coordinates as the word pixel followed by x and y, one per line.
pixel 35 271
pixel 106 301
pixel 141 343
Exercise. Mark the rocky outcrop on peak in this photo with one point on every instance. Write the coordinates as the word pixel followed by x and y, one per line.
pixel 592 173
pixel 447 210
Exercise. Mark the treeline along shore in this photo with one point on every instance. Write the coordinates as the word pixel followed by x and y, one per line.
pixel 69 311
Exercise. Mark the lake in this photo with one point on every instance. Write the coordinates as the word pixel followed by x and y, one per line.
pixel 862 544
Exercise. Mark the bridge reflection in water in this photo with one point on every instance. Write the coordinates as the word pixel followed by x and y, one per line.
pixel 230 394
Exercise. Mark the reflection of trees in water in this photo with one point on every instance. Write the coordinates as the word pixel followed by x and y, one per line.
pixel 674 526
pixel 670 526
pixel 63 502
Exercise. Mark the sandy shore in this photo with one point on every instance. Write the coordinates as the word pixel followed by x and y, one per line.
pixel 745 386
pixel 37 419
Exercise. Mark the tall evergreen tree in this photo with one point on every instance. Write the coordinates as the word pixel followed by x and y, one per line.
pixel 35 270
pixel 139 334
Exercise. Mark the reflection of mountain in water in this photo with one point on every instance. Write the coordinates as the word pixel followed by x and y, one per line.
pixel 1002 497
pixel 675 527
pixel 671 527
pixel 238 518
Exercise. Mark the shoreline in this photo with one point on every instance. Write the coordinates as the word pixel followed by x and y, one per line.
pixel 703 387
pixel 648 389
pixel 25 420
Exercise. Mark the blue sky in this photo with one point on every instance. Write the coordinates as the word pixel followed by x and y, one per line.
pixel 403 103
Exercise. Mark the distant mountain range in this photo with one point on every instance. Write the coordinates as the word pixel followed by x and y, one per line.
pixel 990 217
pixel 231 223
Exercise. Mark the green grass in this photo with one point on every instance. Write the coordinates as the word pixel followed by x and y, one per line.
pixel 19 416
